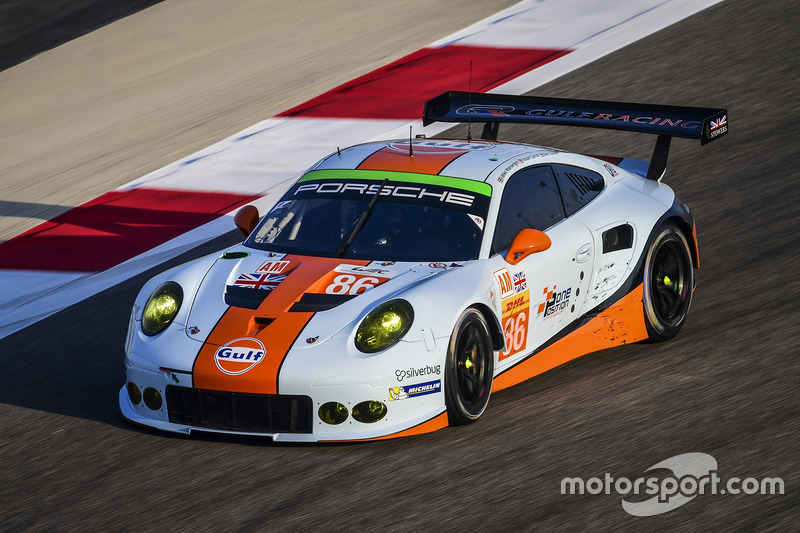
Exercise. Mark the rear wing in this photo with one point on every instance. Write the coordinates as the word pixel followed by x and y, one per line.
pixel 706 124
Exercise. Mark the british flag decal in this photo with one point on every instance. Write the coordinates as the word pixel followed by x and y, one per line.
pixel 520 283
pixel 259 281
pixel 717 124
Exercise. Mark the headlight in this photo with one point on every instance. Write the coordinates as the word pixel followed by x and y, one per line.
pixel 161 308
pixel 384 326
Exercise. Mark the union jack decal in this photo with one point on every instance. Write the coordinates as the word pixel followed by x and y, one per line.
pixel 717 124
pixel 520 283
pixel 259 281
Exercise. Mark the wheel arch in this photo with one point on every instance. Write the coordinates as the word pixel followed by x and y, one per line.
pixel 495 329
pixel 687 226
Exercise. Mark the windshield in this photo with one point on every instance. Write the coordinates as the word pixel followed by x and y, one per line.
pixel 409 221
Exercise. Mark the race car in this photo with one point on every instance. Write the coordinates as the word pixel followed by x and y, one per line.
pixel 397 284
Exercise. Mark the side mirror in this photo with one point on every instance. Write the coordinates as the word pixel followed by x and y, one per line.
pixel 246 219
pixel 527 242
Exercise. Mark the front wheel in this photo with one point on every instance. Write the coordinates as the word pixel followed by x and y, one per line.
pixel 668 283
pixel 469 369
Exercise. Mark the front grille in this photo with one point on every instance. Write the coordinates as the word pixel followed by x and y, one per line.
pixel 236 411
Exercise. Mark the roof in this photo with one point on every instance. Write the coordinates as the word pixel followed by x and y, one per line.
pixel 474 159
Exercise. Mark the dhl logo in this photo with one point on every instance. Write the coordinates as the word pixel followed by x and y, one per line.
pixel 516 304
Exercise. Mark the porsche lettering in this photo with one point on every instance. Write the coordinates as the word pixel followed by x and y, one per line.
pixel 397 191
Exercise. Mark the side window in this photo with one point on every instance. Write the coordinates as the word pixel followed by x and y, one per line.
pixel 530 200
pixel 578 186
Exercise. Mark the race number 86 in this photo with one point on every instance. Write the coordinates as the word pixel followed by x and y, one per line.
pixel 350 284
pixel 516 329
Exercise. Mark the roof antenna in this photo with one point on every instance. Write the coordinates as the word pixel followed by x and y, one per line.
pixel 410 142
pixel 469 105
pixel 338 151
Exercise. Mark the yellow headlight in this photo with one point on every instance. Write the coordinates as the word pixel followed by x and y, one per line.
pixel 384 326
pixel 161 308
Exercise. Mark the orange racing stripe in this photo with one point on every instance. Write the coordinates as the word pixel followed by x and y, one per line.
pixel 425 160
pixel 277 337
pixel 621 323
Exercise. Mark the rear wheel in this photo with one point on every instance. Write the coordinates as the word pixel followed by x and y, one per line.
pixel 668 283
pixel 469 369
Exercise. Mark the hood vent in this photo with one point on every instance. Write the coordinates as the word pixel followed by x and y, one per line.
pixel 311 303
pixel 244 297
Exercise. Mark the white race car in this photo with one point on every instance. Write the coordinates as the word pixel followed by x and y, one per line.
pixel 397 284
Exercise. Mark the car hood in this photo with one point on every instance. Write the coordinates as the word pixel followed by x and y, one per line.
pixel 252 306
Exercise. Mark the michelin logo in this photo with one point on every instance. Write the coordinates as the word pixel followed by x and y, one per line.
pixel 409 391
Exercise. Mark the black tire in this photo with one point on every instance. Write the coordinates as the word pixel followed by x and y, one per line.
pixel 469 369
pixel 668 283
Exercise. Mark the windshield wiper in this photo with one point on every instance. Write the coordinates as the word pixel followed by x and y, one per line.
pixel 345 244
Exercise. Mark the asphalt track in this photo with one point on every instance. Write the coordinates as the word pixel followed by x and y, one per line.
pixel 726 386
pixel 28 28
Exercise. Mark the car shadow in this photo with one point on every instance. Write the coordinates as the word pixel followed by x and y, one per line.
pixel 71 363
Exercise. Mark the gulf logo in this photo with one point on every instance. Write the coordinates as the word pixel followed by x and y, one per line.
pixel 240 355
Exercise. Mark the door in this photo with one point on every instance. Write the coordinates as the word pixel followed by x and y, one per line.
pixel 544 293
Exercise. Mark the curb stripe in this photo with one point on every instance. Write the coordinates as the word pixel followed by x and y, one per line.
pixel 113 228
pixel 399 89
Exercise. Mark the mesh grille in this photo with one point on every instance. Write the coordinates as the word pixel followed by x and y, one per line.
pixel 234 411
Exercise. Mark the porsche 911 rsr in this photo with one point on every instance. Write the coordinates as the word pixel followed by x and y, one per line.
pixel 396 285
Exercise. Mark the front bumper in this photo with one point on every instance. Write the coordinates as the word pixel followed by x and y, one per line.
pixel 166 400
